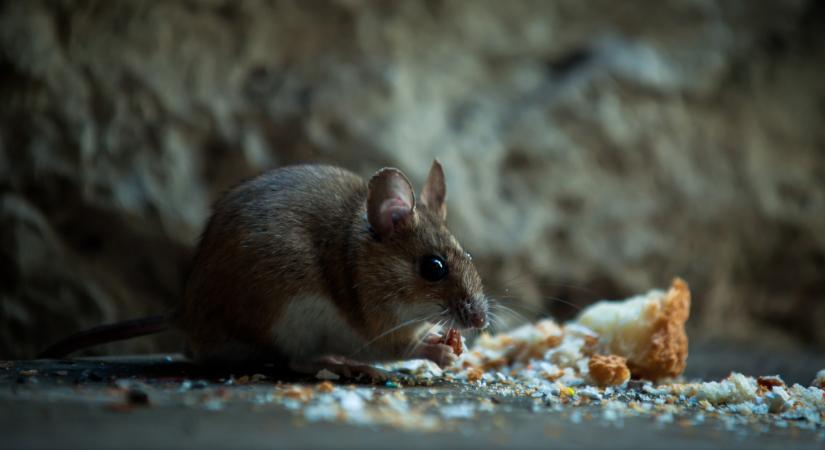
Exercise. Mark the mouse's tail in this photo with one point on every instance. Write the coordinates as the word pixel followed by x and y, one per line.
pixel 103 334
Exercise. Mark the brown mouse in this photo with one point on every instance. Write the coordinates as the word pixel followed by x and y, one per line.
pixel 314 267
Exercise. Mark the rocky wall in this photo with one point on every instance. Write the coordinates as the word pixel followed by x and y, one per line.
pixel 592 149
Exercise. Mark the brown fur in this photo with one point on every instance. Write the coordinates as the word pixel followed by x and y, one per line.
pixel 304 230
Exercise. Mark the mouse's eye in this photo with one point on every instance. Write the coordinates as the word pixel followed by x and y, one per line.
pixel 433 268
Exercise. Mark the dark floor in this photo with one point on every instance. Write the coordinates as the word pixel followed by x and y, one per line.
pixel 69 405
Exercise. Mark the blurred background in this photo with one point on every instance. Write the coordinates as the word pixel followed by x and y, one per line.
pixel 592 149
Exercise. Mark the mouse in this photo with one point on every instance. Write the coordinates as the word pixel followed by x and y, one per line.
pixel 313 267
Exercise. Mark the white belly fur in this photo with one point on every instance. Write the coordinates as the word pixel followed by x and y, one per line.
pixel 312 327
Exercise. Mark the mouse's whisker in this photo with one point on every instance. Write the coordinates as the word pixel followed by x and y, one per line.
pixel 530 308
pixel 393 329
pixel 504 308
pixel 470 334
pixel 492 322
pixel 416 344
pixel 562 301
pixel 509 315
pixel 541 307
pixel 496 323
pixel 512 282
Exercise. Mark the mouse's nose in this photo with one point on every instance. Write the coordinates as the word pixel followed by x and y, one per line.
pixel 471 312
pixel 478 319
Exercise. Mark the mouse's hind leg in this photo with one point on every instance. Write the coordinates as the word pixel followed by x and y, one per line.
pixel 343 367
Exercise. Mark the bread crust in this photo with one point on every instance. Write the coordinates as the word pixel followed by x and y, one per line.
pixel 608 370
pixel 667 350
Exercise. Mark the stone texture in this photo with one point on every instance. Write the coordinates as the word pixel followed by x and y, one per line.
pixel 592 149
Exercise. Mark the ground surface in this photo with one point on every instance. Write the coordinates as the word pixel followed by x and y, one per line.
pixel 160 402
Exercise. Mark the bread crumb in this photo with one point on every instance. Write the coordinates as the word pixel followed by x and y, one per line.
pixel 608 370
pixel 648 330
pixel 736 388
pixel 769 381
pixel 453 339
pixel 819 380
pixel 474 374
pixel 811 397
pixel 298 393
pixel 521 345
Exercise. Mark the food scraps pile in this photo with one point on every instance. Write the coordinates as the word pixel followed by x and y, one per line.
pixel 623 357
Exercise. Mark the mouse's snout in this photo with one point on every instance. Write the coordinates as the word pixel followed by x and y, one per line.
pixel 471 312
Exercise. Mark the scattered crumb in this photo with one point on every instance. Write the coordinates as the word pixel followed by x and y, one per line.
pixel 819 380
pixel 297 392
pixel 474 374
pixel 769 381
pixel 610 370
pixel 258 377
pixel 736 388
pixel 517 346
pixel 460 411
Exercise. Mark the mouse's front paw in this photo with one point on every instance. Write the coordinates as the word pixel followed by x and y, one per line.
pixel 441 354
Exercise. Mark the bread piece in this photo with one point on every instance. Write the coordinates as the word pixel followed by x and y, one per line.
pixel 648 330
pixel 608 370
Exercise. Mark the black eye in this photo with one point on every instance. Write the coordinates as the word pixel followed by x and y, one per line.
pixel 433 268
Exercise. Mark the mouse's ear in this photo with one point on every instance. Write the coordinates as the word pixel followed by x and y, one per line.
pixel 390 202
pixel 434 194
